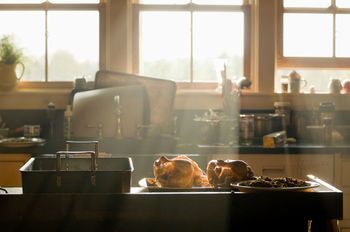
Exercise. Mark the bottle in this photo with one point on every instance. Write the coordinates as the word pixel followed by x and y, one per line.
pixel 51 116
pixel 68 122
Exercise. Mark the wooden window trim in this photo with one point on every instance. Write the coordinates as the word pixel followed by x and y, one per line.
pixel 309 62
pixel 246 9
pixel 47 6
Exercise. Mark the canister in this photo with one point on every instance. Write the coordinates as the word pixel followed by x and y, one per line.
pixel 283 108
pixel 246 129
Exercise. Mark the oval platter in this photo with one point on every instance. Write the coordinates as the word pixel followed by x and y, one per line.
pixel 243 187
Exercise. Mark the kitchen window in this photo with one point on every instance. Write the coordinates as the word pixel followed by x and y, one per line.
pixel 313 39
pixel 60 38
pixel 190 41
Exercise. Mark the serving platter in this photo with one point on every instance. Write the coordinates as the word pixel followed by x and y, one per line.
pixel 243 187
pixel 21 142
pixel 154 188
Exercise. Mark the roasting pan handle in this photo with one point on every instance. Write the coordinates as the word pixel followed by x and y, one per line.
pixel 84 142
pixel 67 153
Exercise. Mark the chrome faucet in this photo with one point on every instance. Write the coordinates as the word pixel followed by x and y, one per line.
pixel 99 128
pixel 118 113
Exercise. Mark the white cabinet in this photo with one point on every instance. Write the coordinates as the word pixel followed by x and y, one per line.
pixel 272 165
pixel 288 165
pixel 342 181
pixel 320 165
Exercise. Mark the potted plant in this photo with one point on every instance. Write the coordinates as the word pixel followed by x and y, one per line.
pixel 10 57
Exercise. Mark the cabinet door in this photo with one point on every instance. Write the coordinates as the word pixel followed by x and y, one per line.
pixel 321 166
pixel 275 165
pixel 10 164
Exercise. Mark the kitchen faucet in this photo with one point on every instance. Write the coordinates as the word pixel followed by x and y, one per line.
pixel 118 113
pixel 99 128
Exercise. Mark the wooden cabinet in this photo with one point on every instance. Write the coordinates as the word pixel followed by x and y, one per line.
pixel 342 181
pixel 10 164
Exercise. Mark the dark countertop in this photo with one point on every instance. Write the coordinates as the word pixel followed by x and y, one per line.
pixel 170 211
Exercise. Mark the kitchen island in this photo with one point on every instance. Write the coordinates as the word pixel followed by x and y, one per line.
pixel 141 210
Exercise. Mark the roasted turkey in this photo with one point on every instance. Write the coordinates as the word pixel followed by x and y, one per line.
pixel 179 172
pixel 221 173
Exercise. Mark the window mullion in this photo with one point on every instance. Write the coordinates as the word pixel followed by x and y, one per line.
pixel 46 50
pixel 334 36
pixel 191 58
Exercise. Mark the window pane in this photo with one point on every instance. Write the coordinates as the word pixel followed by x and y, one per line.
pixel 342 35
pixel 317 78
pixel 307 35
pixel 307 3
pixel 21 1
pixel 73 44
pixel 164 1
pixel 343 3
pixel 218 2
pixel 212 43
pixel 30 38
pixel 165 45
pixel 74 1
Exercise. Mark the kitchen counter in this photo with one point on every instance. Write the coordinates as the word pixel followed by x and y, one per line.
pixel 171 147
pixel 171 211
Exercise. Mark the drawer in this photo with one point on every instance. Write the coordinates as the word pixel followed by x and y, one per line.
pixel 346 206
pixel 321 166
pixel 345 172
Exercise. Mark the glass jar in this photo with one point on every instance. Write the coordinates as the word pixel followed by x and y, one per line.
pixel 283 108
pixel 246 129
pixel 326 110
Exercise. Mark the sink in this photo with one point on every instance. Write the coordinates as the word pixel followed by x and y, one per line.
pixel 77 175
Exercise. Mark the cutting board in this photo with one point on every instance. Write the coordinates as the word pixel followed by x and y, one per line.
pixel 160 94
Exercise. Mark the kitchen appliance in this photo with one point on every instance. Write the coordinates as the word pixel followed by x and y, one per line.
pixel 52 174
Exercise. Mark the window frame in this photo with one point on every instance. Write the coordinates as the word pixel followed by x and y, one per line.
pixel 48 6
pixel 309 62
pixel 245 8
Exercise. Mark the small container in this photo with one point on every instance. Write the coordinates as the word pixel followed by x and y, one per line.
pixel 4 132
pixel 328 129
pixel 246 129
pixel 326 110
pixel 335 86
pixel 283 108
pixel 284 83
pixel 31 131
pixel 68 127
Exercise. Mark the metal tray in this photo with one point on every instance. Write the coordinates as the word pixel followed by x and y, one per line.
pixel 112 175
pixel 153 188
pixel 21 142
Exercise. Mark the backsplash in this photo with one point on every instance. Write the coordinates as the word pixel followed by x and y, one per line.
pixel 186 130
pixel 16 119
